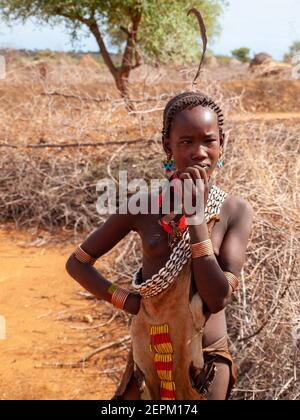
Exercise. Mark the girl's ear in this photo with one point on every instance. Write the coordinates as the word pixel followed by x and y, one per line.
pixel 167 147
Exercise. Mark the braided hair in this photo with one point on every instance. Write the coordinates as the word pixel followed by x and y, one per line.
pixel 188 100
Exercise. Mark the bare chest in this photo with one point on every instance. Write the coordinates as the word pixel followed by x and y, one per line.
pixel 156 250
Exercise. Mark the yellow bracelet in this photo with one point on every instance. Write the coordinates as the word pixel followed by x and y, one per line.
pixel 202 249
pixel 83 256
pixel 232 280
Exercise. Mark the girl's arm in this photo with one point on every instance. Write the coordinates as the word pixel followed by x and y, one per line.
pixel 211 283
pixel 115 228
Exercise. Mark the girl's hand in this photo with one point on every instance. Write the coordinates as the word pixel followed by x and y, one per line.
pixel 195 172
pixel 133 303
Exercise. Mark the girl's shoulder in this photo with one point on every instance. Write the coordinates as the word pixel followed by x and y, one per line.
pixel 236 208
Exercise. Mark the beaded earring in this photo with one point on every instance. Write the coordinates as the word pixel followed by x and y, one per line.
pixel 220 161
pixel 169 165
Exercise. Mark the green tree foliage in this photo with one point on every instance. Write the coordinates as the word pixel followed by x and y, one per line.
pixel 293 50
pixel 241 54
pixel 151 30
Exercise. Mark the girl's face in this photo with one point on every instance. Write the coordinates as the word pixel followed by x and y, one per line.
pixel 195 139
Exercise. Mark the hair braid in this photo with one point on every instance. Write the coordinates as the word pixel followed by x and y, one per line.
pixel 188 100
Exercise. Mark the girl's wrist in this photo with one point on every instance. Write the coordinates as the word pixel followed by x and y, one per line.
pixel 198 233
pixel 133 303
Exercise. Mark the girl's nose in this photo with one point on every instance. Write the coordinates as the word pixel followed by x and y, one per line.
pixel 199 153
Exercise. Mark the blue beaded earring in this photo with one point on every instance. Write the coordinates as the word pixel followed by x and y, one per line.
pixel 220 162
pixel 169 165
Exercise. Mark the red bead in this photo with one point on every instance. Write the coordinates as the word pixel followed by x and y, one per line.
pixel 181 224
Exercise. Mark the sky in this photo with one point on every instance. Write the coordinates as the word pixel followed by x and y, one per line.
pixel 262 25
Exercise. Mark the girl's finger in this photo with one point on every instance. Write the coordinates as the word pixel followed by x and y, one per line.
pixel 195 173
pixel 203 173
pixel 187 175
pixel 204 178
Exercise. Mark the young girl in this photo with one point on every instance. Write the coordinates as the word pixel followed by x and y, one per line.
pixel 189 271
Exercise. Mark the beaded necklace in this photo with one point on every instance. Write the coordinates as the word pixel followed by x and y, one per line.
pixel 180 254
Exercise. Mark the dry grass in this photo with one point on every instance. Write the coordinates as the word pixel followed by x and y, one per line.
pixel 54 187
pixel 263 166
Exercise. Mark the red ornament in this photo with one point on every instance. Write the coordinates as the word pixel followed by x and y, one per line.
pixel 174 229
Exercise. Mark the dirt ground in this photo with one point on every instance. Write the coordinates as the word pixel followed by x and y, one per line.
pixel 38 301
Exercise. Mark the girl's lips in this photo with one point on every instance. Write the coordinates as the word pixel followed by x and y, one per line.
pixel 202 165
pixel 205 166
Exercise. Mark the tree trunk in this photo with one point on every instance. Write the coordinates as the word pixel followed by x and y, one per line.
pixel 121 74
pixel 122 81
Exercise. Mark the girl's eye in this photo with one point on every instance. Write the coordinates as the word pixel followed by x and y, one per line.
pixel 186 142
pixel 210 140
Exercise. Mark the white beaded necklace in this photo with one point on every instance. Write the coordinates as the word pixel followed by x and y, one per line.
pixel 180 253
